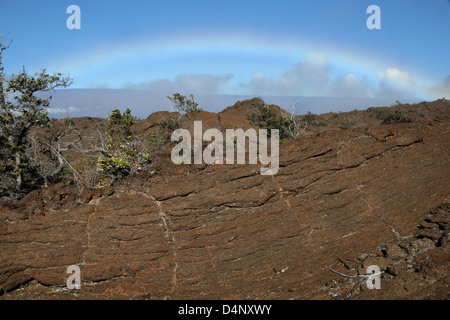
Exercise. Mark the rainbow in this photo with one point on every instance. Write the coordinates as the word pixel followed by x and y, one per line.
pixel 163 50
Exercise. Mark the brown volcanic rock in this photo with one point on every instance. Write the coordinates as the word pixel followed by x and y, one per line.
pixel 232 117
pixel 237 115
pixel 342 200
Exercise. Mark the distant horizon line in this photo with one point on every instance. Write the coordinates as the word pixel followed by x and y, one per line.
pixel 97 102
pixel 244 95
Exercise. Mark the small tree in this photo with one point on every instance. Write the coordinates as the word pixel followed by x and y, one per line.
pixel 347 123
pixel 122 154
pixel 268 118
pixel 184 104
pixel 120 123
pixel 20 110
pixel 310 119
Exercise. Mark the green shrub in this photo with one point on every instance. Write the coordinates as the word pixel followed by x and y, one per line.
pixel 114 167
pixel 417 112
pixel 380 113
pixel 184 104
pixel 170 124
pixel 397 116
pixel 22 110
pixel 347 123
pixel 396 103
pixel 268 118
pixel 310 119
pixel 157 139
pixel 122 154
pixel 120 124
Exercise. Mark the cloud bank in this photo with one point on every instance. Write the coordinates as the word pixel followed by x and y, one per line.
pixel 310 77
pixel 192 83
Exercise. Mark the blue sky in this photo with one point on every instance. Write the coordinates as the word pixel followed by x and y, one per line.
pixel 261 48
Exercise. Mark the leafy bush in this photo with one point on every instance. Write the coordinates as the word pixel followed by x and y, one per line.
pixel 397 116
pixel 157 139
pixel 114 167
pixel 396 103
pixel 380 113
pixel 417 112
pixel 120 123
pixel 122 154
pixel 162 137
pixel 310 119
pixel 347 123
pixel 21 160
pixel 268 118
pixel 169 124
pixel 184 104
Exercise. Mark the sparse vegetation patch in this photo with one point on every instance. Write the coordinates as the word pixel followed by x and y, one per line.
pixel 268 118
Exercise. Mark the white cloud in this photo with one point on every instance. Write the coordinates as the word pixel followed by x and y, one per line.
pixel 184 83
pixel 440 90
pixel 62 110
pixel 309 77
pixel 260 84
pixel 396 77
pixel 348 86
pixel 396 83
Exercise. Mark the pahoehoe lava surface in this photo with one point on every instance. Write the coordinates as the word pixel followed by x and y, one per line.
pixel 341 201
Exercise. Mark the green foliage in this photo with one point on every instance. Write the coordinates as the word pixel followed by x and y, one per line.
pixel 268 118
pixel 397 116
pixel 21 110
pixel 184 104
pixel 380 113
pixel 310 119
pixel 169 124
pixel 120 124
pixel 157 139
pixel 347 123
pixel 122 154
pixel 118 168
pixel 396 103
pixel 417 112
